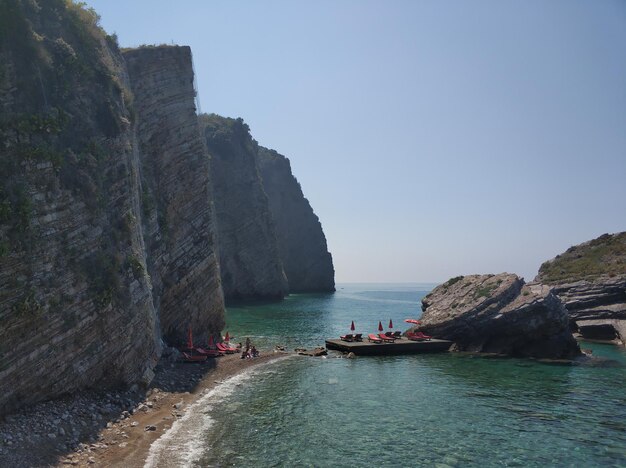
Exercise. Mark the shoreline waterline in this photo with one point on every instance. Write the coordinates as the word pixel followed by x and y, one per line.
pixel 170 450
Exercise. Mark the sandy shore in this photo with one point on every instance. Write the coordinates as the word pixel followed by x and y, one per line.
pixel 112 428
pixel 115 449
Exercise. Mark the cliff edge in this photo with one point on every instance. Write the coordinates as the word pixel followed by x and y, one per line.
pixel 249 257
pixel 75 300
pixel 301 241
pixel 176 193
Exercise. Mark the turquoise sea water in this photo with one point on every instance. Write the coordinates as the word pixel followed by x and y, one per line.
pixel 442 409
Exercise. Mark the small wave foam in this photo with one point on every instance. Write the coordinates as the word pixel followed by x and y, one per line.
pixel 182 445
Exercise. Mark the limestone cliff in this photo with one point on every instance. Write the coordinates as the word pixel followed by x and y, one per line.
pixel 107 241
pixel 301 241
pixel 176 193
pixel 499 314
pixel 249 257
pixel 108 230
pixel 75 301
pixel 590 279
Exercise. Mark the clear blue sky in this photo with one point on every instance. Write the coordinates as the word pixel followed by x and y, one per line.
pixel 432 138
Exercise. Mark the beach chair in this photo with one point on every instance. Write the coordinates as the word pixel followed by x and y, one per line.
pixel 423 336
pixel 373 338
pixel 385 338
pixel 209 352
pixel 348 337
pixel 397 334
pixel 192 357
pixel 226 349
pixel 358 337
pixel 418 336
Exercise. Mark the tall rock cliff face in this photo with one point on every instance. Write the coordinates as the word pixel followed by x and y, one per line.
pixel 176 193
pixel 590 279
pixel 249 257
pixel 301 241
pixel 75 301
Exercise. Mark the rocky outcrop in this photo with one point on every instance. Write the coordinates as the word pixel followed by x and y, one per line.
pixel 499 314
pixel 249 258
pixel 176 192
pixel 301 241
pixel 75 302
pixel 590 279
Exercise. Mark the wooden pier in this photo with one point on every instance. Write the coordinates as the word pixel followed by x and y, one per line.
pixel 400 346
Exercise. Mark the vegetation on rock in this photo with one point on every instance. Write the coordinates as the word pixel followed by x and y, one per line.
pixel 603 256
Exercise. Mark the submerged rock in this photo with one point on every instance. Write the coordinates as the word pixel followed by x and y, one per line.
pixel 320 351
pixel 499 314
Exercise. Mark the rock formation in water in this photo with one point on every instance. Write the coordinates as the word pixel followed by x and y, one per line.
pixel 176 193
pixel 249 258
pixel 590 279
pixel 499 314
pixel 301 241
pixel 75 301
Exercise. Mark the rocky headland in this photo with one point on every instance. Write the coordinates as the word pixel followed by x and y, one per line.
pixel 249 256
pixel 301 242
pixel 590 279
pixel 499 314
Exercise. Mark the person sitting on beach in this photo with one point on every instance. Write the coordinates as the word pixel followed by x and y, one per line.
pixel 243 355
pixel 255 353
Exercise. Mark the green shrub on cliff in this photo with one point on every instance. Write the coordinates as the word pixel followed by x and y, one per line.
pixel 604 256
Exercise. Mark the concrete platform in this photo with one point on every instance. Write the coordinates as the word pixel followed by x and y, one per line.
pixel 401 346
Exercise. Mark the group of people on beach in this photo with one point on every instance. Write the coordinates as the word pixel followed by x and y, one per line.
pixel 250 351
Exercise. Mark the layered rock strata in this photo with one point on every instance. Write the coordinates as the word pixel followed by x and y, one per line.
pixel 176 189
pixel 499 314
pixel 301 241
pixel 249 258
pixel 75 301
pixel 590 279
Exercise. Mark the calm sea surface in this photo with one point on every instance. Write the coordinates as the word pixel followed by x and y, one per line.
pixel 441 409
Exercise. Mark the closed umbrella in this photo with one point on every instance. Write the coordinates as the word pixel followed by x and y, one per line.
pixel 211 342
pixel 352 327
pixel 189 338
pixel 227 337
pixel 390 324
pixel 380 326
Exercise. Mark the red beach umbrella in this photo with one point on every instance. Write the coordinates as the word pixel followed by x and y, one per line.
pixel 211 343
pixel 380 326
pixel 189 338
pixel 352 327
pixel 413 321
pixel 390 324
pixel 227 337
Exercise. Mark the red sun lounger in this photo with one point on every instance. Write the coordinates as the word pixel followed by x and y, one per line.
pixel 373 338
pixel 209 352
pixel 386 338
pixel 418 336
pixel 226 349
pixel 193 357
